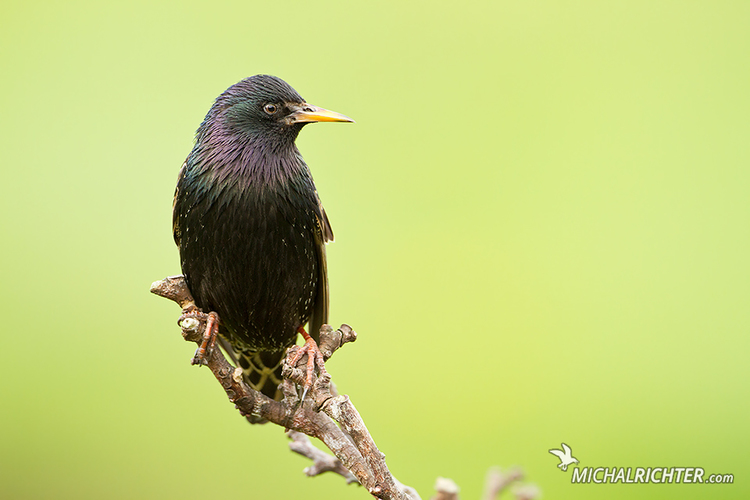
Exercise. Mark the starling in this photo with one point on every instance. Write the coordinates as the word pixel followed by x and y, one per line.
pixel 252 231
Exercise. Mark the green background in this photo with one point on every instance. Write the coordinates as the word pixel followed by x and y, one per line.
pixel 542 237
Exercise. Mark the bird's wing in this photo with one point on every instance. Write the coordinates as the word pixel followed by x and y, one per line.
pixel 319 315
pixel 558 453
pixel 176 232
pixel 325 225
pixel 324 234
pixel 567 450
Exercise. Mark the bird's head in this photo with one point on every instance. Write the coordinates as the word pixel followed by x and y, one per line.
pixel 266 107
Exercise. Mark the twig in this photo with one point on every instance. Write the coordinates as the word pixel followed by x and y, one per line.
pixel 527 492
pixel 322 461
pixel 498 481
pixel 446 489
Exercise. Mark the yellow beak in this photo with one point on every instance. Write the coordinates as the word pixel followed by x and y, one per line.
pixel 307 113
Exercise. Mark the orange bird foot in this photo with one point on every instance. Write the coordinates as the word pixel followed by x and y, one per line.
pixel 314 357
pixel 209 334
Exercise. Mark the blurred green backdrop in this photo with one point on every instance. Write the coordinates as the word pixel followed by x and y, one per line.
pixel 542 236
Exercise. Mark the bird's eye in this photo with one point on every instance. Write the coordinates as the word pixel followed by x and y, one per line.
pixel 270 108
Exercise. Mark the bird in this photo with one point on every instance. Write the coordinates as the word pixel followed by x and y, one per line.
pixel 251 230
pixel 565 455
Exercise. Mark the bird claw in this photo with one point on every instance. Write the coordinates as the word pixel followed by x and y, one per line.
pixel 209 334
pixel 314 358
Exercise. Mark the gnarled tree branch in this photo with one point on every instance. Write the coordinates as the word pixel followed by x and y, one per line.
pixel 351 443
pixel 324 414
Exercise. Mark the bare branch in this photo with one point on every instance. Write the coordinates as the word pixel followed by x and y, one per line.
pixel 173 288
pixel 446 489
pixel 353 447
pixel 527 492
pixel 322 461
pixel 357 458
pixel 498 481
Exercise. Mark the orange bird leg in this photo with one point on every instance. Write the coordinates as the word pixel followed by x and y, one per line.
pixel 209 339
pixel 314 357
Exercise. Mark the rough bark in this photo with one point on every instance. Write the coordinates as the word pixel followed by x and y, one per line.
pixel 325 415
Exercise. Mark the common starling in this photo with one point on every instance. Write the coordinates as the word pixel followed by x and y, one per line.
pixel 251 228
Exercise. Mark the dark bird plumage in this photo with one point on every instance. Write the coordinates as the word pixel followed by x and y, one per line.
pixel 250 227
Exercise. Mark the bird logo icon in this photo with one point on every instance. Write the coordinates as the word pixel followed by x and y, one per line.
pixel 565 456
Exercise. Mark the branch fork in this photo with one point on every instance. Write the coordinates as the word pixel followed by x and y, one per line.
pixel 323 414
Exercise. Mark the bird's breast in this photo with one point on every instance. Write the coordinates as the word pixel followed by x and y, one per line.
pixel 248 252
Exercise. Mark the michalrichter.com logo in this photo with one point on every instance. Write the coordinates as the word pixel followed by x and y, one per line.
pixel 598 475
pixel 565 455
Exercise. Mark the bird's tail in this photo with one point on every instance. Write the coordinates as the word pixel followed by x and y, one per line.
pixel 262 372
